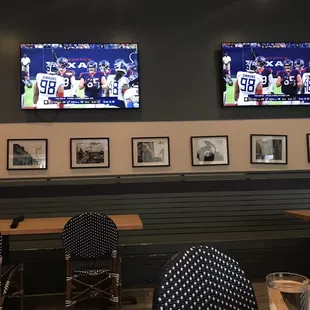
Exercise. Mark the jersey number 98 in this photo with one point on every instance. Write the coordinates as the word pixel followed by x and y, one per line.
pixel 47 87
pixel 247 85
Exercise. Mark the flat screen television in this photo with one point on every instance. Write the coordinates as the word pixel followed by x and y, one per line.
pixel 265 74
pixel 79 76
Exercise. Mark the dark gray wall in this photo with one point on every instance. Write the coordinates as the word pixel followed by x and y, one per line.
pixel 241 214
pixel 179 51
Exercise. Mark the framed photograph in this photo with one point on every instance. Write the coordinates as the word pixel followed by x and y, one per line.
pixel 26 154
pixel 89 153
pixel 308 146
pixel 150 152
pixel 209 150
pixel 268 149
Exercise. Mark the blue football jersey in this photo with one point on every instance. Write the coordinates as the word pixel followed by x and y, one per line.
pixel 265 76
pixel 289 82
pixel 92 82
pixel 67 75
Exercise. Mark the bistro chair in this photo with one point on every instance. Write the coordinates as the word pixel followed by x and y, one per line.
pixel 92 266
pixel 201 278
pixel 11 281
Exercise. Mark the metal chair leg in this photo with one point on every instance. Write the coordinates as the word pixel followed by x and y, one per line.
pixel 21 284
pixel 129 299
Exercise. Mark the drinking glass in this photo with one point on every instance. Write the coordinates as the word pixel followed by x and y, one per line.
pixel 288 291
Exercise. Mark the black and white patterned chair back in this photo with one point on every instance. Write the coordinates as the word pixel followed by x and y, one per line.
pixel 203 278
pixel 90 235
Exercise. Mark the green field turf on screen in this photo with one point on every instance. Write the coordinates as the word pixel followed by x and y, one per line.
pixel 230 94
pixel 28 99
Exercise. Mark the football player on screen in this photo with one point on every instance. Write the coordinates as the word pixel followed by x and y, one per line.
pixel 307 69
pixel 266 74
pixel 306 87
pixel 104 67
pixel 122 63
pixel 25 81
pixel 92 81
pixel 131 97
pixel 118 83
pixel 48 85
pixel 226 59
pixel 68 76
pixel 289 79
pixel 226 80
pixel 248 82
pixel 133 68
pixel 299 65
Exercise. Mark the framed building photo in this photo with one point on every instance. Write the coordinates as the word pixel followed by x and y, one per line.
pixel 26 154
pixel 89 153
pixel 268 149
pixel 150 152
pixel 209 150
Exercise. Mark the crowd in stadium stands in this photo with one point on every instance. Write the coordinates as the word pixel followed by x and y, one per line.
pixel 268 45
pixel 79 46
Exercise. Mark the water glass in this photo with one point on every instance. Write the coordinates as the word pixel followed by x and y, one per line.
pixel 288 291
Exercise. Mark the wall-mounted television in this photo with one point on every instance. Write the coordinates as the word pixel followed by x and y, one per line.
pixel 79 76
pixel 265 74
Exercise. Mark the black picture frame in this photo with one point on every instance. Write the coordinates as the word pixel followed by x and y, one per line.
pixel 308 146
pixel 20 167
pixel 90 165
pixel 271 161
pixel 198 163
pixel 134 152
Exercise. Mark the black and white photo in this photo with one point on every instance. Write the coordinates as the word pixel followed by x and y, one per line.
pixel 26 154
pixel 90 153
pixel 150 152
pixel 268 149
pixel 209 150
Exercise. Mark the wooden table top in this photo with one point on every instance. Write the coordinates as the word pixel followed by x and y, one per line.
pixel 303 214
pixel 55 225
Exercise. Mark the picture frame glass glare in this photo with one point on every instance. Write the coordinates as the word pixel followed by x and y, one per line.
pixel 90 153
pixel 207 151
pixel 27 154
pixel 268 149
pixel 150 152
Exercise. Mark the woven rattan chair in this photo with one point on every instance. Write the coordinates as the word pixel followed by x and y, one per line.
pixel 92 266
pixel 201 278
pixel 11 281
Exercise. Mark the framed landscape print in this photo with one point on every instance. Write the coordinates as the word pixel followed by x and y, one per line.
pixel 27 154
pixel 89 153
pixel 209 150
pixel 268 149
pixel 150 152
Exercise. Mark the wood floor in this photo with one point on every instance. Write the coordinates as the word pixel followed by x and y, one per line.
pixel 144 297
